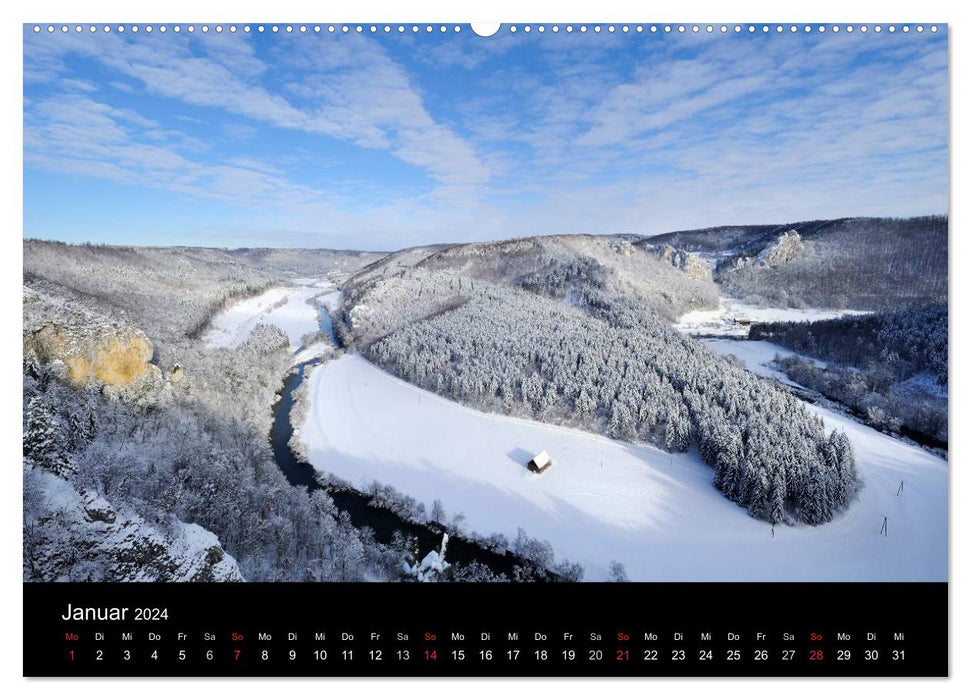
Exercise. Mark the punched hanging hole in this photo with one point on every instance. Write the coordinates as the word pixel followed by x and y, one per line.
pixel 485 29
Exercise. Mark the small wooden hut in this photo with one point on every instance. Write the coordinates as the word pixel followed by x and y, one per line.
pixel 540 463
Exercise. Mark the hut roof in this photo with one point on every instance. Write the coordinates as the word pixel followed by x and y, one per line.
pixel 541 459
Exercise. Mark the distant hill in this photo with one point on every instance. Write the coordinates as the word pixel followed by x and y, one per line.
pixel 303 262
pixel 559 266
pixel 170 292
pixel 862 263
pixel 167 292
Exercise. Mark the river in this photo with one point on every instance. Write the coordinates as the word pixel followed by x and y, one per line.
pixel 382 521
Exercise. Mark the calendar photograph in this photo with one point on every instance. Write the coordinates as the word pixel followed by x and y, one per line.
pixel 385 303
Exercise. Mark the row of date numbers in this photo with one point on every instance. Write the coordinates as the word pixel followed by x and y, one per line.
pixel 514 655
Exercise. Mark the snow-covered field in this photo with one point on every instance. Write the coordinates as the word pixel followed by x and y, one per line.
pixel 725 319
pixel 605 500
pixel 757 355
pixel 289 308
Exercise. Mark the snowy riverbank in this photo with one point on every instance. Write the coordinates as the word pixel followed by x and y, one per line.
pixel 292 309
pixel 758 356
pixel 606 500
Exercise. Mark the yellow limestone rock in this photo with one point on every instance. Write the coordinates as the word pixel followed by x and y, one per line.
pixel 116 357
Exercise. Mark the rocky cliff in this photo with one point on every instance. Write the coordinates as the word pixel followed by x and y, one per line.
pixel 83 347
pixel 115 356
pixel 73 534
pixel 782 251
pixel 788 246
pixel 689 263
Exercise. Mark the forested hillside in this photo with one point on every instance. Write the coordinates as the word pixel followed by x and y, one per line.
pixel 904 342
pixel 195 282
pixel 606 364
pixel 558 265
pixel 862 263
pixel 167 292
pixel 890 366
pixel 303 262
pixel 723 240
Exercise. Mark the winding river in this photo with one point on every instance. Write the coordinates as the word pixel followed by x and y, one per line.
pixel 382 521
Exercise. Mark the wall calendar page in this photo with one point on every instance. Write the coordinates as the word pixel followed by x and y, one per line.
pixel 446 350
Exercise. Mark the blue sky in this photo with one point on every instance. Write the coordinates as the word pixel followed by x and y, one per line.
pixel 386 141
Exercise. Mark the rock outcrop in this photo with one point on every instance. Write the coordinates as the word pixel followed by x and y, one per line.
pixel 689 263
pixel 624 248
pixel 788 246
pixel 115 356
pixel 75 534
pixel 782 251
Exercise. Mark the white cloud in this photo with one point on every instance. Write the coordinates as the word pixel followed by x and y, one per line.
pixel 673 133
pixel 348 91
pixel 78 135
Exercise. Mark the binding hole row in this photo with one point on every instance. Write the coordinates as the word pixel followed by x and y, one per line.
pixel 512 28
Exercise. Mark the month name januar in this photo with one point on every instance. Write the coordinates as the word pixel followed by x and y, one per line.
pixel 82 614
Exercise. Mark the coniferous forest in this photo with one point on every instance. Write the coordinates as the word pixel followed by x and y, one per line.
pixel 621 371
pixel 890 366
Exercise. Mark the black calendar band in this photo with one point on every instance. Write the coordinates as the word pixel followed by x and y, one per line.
pixel 341 630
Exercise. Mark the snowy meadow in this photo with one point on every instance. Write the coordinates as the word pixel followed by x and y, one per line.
pixel 606 500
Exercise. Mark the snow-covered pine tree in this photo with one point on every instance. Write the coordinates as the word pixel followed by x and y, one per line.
pixel 81 430
pixel 758 494
pixel 44 442
pixel 729 465
pixel 777 496
pixel 621 422
pixel 842 467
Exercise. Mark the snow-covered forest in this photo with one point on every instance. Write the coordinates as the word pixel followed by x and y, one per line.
pixel 889 366
pixel 302 262
pixel 609 364
pixel 901 343
pixel 169 293
pixel 857 263
pixel 169 464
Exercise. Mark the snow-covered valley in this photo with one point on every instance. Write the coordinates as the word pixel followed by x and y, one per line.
pixel 289 308
pixel 605 500
pixel 756 355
